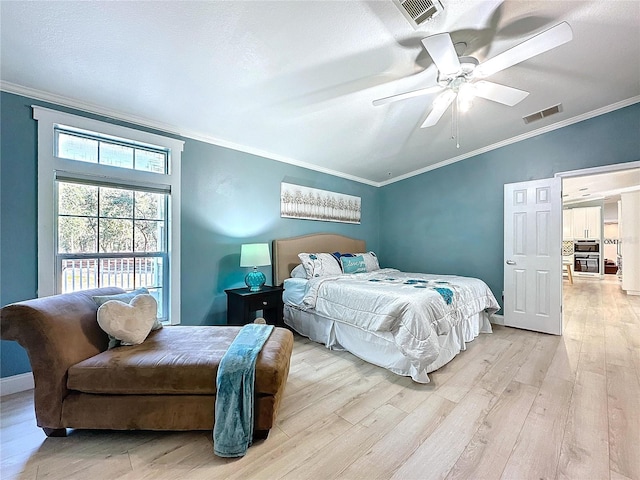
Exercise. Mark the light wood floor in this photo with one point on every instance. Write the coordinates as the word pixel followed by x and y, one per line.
pixel 515 405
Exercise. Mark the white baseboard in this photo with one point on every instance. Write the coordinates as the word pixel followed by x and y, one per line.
pixel 497 319
pixel 16 383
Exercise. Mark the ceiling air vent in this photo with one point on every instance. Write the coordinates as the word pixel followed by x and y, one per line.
pixel 418 12
pixel 542 114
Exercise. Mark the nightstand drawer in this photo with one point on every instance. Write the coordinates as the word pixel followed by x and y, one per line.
pixel 262 302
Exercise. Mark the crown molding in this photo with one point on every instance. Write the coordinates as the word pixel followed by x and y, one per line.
pixel 86 107
pixel 169 129
pixel 519 138
pixel 174 130
pixel 278 158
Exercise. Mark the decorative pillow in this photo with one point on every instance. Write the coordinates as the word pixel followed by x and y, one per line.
pixel 338 255
pixel 130 323
pixel 353 264
pixel 370 260
pixel 126 298
pixel 299 272
pixel 319 264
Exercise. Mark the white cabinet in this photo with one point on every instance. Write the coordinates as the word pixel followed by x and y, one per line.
pixel 629 225
pixel 586 223
pixel 567 224
pixel 594 222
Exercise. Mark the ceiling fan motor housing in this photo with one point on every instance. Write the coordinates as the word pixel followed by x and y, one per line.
pixel 467 67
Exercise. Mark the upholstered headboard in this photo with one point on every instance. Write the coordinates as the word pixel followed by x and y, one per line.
pixel 286 250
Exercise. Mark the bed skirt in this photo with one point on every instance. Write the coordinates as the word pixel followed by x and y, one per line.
pixel 379 348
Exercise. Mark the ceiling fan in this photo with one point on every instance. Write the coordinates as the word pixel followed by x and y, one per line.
pixel 461 78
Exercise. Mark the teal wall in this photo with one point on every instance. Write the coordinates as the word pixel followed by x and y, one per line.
pixel 450 220
pixel 445 221
pixel 18 218
pixel 228 198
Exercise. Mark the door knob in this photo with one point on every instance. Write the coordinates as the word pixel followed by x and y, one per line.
pixel 510 262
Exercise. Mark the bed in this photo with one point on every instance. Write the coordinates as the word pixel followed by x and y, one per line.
pixel 408 323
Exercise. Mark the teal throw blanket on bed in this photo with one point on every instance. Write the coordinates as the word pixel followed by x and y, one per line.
pixel 233 425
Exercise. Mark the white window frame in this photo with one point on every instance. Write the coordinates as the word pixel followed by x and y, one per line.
pixel 50 166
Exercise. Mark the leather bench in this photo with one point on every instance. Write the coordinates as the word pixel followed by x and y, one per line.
pixel 166 383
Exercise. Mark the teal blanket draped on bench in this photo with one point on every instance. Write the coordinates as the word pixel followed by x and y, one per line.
pixel 233 426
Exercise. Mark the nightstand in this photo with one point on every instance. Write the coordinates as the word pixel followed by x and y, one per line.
pixel 241 303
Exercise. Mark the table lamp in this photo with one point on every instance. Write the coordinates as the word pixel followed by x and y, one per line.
pixel 255 255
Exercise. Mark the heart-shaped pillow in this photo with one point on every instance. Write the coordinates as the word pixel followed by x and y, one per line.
pixel 128 322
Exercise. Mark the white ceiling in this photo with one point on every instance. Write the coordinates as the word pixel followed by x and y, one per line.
pixel 603 186
pixel 294 80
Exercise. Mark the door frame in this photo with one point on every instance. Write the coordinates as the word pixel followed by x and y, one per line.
pixel 597 170
pixel 585 172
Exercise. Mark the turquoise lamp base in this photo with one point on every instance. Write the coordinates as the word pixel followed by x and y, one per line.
pixel 255 280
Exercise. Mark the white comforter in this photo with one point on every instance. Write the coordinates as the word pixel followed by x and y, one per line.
pixel 405 304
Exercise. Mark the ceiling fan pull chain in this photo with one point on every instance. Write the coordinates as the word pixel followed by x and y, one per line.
pixel 457 122
pixel 453 120
pixel 454 117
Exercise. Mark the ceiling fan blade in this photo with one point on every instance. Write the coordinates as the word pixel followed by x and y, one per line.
pixel 543 42
pixel 499 93
pixel 440 106
pixel 402 96
pixel 443 53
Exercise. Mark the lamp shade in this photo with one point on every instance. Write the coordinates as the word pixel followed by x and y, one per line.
pixel 255 255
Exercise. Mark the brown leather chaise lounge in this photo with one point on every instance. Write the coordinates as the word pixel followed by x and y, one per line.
pixel 166 383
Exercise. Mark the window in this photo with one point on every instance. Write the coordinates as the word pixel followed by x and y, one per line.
pixel 89 147
pixel 111 236
pixel 108 209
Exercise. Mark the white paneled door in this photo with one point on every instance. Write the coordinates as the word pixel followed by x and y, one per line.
pixel 532 255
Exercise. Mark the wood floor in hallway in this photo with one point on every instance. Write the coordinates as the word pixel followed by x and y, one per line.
pixel 514 405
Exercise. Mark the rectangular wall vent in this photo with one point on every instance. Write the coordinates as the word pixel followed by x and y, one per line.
pixel 542 114
pixel 418 12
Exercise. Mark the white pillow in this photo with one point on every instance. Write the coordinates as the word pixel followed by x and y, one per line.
pixel 299 272
pixel 319 264
pixel 126 298
pixel 128 322
pixel 370 261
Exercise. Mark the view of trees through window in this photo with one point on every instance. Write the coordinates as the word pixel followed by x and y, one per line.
pixel 102 219
pixel 111 237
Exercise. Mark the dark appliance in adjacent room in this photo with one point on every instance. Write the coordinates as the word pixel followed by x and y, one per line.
pixel 586 256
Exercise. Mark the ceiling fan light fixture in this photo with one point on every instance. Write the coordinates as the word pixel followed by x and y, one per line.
pixel 466 94
pixel 464 73
pixel 464 105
